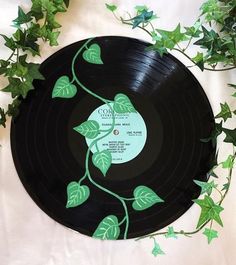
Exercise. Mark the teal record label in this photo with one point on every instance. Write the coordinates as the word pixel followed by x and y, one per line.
pixel 128 137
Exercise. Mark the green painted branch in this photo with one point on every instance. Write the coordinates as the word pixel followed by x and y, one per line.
pixel 77 80
pixel 87 174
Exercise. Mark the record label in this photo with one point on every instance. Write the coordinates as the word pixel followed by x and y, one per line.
pixel 128 137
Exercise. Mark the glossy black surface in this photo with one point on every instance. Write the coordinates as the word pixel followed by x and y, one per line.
pixel 48 153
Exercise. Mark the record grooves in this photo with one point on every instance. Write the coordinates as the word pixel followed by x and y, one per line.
pixel 174 113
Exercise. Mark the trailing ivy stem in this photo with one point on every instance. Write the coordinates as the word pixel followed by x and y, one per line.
pixel 181 232
pixel 12 54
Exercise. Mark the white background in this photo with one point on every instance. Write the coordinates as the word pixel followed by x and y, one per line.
pixel 30 237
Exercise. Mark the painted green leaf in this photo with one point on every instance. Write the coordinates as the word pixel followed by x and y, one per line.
pixel 229 162
pixel 206 187
pixel 225 112
pixel 209 211
pixel 112 8
pixel 108 228
pixel 210 234
pixel 170 233
pixel 63 88
pixel 122 104
pixel 93 54
pixel 89 129
pixel 76 194
pixel 102 160
pixel 144 198
pixel 157 249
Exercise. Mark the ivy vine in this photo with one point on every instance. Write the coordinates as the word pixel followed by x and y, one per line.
pixel 217 52
pixel 38 24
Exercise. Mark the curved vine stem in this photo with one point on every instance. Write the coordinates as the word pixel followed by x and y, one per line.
pixel 78 81
pixel 107 132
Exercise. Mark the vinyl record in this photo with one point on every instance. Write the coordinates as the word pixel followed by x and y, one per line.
pixel 109 143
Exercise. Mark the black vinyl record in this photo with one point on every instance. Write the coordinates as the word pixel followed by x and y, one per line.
pixel 161 157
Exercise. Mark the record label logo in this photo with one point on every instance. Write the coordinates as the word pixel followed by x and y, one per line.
pixel 128 137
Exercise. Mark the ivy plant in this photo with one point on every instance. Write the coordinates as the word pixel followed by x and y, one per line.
pixel 214 35
pixel 37 24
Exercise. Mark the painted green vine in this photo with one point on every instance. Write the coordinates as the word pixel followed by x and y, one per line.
pixel 77 194
pixel 217 52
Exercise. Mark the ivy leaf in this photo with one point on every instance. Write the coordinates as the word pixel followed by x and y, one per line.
pixel 108 228
pixel 102 160
pixel 112 8
pixel 171 38
pixel 63 88
pixel 122 104
pixel 225 112
pixel 93 54
pixel 33 70
pixel 214 134
pixel 229 162
pixel 22 17
pixel 157 249
pixel 76 194
pixel 206 187
pixel 194 30
pixel 144 198
pixel 210 234
pixel 13 108
pixel 210 211
pixel 232 85
pixel 230 136
pixel 18 88
pixel 2 117
pixel 48 6
pixel 9 42
pixel 52 37
pixel 140 9
pixel 89 129
pixel 36 9
pixel 67 3
pixel 170 233
pixel 145 16
pixel 199 60
pixel 210 40
pixel 225 186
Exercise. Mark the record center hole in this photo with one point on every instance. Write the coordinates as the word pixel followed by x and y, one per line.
pixel 116 132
